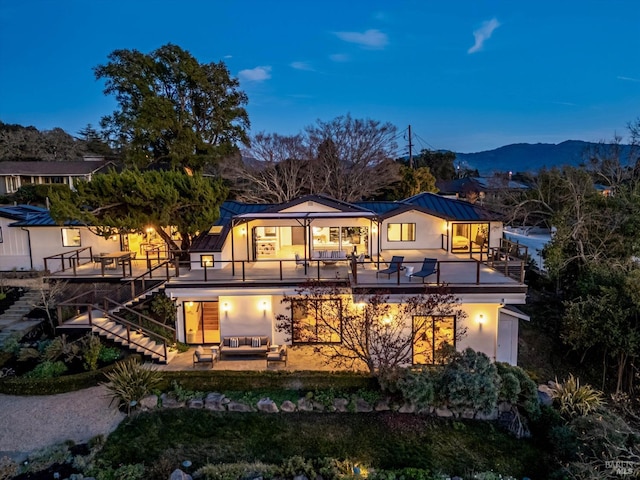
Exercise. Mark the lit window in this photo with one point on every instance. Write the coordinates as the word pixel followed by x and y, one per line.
pixel 206 261
pixel 316 321
pixel 401 232
pixel 71 237
pixel 435 339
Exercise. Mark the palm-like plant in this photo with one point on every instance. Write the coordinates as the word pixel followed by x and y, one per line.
pixel 130 382
pixel 575 399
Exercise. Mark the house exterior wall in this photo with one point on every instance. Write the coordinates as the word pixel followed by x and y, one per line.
pixel 306 207
pixel 14 248
pixel 49 242
pixel 429 231
pixel 254 312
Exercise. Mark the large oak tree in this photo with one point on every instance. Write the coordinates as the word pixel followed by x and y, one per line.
pixel 172 109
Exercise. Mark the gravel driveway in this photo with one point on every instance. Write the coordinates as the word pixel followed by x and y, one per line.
pixel 32 423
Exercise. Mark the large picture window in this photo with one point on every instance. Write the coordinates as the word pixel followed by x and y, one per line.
pixel 401 232
pixel 71 237
pixel 316 321
pixel 435 338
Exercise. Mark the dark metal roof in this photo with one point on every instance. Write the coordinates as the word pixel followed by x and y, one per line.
pixel 42 219
pixel 20 212
pixel 318 198
pixel 378 207
pixel 449 209
pixel 52 168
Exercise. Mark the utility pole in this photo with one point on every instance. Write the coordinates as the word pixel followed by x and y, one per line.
pixel 410 150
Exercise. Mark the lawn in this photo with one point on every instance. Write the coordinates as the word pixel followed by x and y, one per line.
pixel 383 440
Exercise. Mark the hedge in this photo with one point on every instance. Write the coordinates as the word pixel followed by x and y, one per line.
pixel 51 386
pixel 232 380
pixel 215 380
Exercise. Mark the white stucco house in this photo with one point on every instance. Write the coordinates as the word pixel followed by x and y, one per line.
pixel 256 255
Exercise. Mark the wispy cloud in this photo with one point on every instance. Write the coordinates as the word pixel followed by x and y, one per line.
pixel 258 74
pixel 302 66
pixel 628 79
pixel 372 39
pixel 228 56
pixel 483 34
pixel 339 57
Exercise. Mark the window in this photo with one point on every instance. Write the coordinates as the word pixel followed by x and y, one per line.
pixel 0 234
pixel 316 321
pixel 71 237
pixel 434 338
pixel 206 261
pixel 401 232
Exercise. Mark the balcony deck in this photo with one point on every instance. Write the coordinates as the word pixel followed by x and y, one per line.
pixel 453 269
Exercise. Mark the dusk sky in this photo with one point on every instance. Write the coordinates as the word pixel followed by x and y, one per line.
pixel 466 75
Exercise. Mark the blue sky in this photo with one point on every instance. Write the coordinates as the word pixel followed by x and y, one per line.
pixel 467 75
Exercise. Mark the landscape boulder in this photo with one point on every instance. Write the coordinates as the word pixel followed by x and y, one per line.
pixel 267 405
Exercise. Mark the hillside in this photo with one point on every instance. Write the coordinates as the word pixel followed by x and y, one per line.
pixel 526 157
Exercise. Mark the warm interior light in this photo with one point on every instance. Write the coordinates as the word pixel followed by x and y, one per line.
pixel 386 320
pixel 149 229
pixel 243 231
pixel 374 229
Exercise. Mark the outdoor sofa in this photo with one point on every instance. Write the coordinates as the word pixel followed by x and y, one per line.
pixel 244 345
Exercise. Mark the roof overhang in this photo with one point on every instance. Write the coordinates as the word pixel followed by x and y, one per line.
pixel 515 312
pixel 302 215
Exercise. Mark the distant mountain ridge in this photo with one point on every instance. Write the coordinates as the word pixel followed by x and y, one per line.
pixel 527 157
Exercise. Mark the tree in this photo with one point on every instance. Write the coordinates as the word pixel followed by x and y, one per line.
pixel 95 141
pixel 273 170
pixel 27 143
pixel 379 334
pixel 172 109
pixel 351 158
pixel 132 200
pixel 439 163
pixel 415 181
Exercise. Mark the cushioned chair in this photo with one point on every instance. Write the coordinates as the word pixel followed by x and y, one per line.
pixel 200 357
pixel 300 262
pixel 277 355
pixel 429 267
pixel 394 265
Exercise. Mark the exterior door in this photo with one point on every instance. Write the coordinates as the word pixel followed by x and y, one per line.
pixel 202 322
pixel 505 351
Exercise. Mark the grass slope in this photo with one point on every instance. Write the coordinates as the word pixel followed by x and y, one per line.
pixel 384 440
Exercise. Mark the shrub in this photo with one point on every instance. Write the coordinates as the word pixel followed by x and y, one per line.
pixel 419 386
pixel 92 348
pixel 574 399
pixel 129 382
pixel 8 468
pixel 471 380
pixel 47 369
pixel 109 354
pixel 235 471
pixel 518 388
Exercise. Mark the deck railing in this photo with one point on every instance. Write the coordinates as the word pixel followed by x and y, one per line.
pixel 68 260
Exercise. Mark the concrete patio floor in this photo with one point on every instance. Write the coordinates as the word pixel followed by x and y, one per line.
pixel 299 358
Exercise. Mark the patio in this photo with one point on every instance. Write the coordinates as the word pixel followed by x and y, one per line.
pixel 302 357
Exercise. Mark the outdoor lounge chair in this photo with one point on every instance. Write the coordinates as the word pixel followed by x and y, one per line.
pixel 429 267
pixel 300 262
pixel 394 265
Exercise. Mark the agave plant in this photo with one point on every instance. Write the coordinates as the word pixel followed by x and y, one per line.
pixel 575 399
pixel 129 382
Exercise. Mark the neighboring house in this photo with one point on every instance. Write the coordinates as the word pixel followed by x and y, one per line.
pixel 243 267
pixel 478 189
pixel 14 175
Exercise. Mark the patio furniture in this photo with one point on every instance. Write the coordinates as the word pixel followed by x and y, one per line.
pixel 429 267
pixel 277 354
pixel 300 262
pixel 329 257
pixel 244 345
pixel 394 265
pixel 200 357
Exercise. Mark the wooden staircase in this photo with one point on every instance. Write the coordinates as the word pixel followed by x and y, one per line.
pixel 108 322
